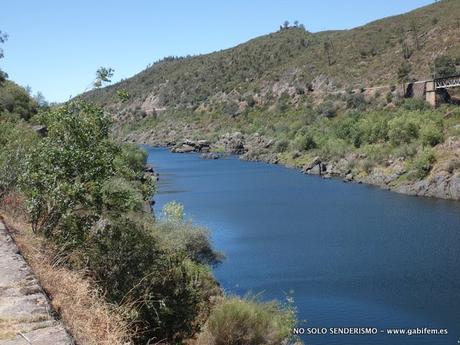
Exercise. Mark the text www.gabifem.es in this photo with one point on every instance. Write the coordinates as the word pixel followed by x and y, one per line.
pixel 369 331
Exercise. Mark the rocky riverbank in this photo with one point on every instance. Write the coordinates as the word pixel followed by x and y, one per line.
pixel 443 181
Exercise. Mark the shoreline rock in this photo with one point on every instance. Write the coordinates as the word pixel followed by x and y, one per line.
pixel 442 182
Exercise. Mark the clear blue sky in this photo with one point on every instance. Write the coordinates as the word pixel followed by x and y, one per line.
pixel 55 46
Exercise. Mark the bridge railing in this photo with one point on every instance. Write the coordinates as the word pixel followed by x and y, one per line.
pixel 448 82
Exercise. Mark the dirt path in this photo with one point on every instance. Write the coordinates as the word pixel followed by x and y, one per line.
pixel 26 316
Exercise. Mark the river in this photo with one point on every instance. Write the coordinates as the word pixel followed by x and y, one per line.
pixel 352 255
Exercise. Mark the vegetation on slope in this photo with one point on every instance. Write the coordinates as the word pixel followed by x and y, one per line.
pixel 298 97
pixel 292 61
pixel 84 196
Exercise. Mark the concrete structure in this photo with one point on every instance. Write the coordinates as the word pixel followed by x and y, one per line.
pixel 435 91
pixel 26 315
pixel 430 93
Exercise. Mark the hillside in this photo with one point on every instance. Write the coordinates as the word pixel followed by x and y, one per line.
pixel 328 103
pixel 291 61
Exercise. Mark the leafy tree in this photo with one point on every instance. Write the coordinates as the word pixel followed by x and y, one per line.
pixel 66 171
pixel 103 76
pixel 15 101
pixel 402 130
pixel 444 66
pixel 40 99
pixel 15 140
pixel 404 72
pixel 3 39
pixel 328 50
pixel 286 24
pixel 415 32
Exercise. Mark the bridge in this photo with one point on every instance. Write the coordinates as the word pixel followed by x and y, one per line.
pixel 437 88
pixel 448 82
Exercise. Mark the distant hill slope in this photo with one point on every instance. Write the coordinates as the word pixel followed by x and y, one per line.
pixel 293 62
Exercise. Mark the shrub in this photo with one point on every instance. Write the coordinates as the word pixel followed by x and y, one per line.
pixel 15 141
pixel 236 321
pixel 356 101
pixel 405 150
pixel 190 239
pixel 367 165
pixel 415 104
pixel 304 142
pixel 281 145
pixel 389 97
pixel 183 236
pixel 444 66
pixel 66 170
pixel 327 109
pixel 333 148
pixel 402 130
pixel 173 211
pixel 171 294
pixel 423 162
pixel 376 153
pixel 431 134
pixel 373 129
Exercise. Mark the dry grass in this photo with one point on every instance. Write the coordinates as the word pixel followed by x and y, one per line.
pixel 87 316
pixel 11 327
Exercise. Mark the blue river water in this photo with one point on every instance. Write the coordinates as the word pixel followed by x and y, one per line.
pixel 351 255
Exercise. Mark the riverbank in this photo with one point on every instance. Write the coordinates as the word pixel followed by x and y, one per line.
pixel 443 180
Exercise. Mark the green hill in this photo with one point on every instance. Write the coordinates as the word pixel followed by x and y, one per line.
pixel 329 103
pixel 292 61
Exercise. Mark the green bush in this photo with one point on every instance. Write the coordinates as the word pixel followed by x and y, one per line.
pixel 173 211
pixel 236 321
pixel 415 104
pixel 402 130
pixel 373 129
pixel 281 145
pixel 16 140
pixel 66 171
pixel 356 101
pixel 333 148
pixel 304 142
pixel 431 134
pixel 423 163
pixel 183 236
pixel 171 294
pixel 405 150
pixel 14 100
pixel 327 109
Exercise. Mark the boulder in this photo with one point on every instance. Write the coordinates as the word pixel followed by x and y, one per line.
pixel 314 167
pixel 348 177
pixel 149 168
pixel 183 149
pixel 210 155
pixel 41 130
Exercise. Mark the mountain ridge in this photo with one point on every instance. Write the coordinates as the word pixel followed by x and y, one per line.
pixel 292 61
